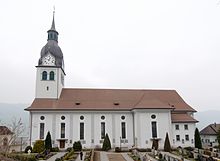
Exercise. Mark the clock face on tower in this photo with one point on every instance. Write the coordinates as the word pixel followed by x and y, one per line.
pixel 48 60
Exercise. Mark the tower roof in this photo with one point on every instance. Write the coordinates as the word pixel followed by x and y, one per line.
pixel 53 23
pixel 52 46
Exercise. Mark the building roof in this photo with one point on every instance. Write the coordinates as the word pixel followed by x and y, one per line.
pixel 5 131
pixel 112 99
pixel 211 129
pixel 182 117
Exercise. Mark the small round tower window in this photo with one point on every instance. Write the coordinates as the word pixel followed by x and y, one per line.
pixel 42 117
pixel 122 117
pixel 103 117
pixel 62 117
pixel 153 116
pixel 81 117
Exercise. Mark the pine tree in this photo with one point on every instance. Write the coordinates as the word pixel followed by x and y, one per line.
pixel 48 144
pixel 197 139
pixel 167 147
pixel 106 144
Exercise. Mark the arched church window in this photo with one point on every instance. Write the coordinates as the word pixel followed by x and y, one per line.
pixel 5 141
pixel 51 75
pixel 44 75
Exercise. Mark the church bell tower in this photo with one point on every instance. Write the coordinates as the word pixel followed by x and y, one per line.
pixel 50 68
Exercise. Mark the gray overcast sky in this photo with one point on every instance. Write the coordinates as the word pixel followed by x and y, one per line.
pixel 146 44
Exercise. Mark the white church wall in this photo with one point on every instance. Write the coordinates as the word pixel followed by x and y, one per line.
pixel 36 125
pixel 92 128
pixel 144 128
pixel 182 132
pixel 129 140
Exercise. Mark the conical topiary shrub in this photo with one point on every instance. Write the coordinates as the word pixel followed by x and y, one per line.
pixel 48 143
pixel 106 144
pixel 167 147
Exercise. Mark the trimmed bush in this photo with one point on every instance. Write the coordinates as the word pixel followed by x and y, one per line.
pixel 106 144
pixel 38 146
pixel 27 149
pixel 57 159
pixel 77 146
pixel 117 149
pixel 167 147
pixel 48 142
pixel 69 149
pixel 56 149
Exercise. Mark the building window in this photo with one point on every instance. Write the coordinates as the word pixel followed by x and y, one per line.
pixel 103 117
pixel 153 116
pixel 177 127
pixel 44 75
pixel 102 130
pixel 187 137
pixel 5 141
pixel 62 130
pixel 51 75
pixel 81 131
pixel 81 117
pixel 186 127
pixel 42 117
pixel 122 117
pixel 123 130
pixel 177 137
pixel 154 129
pixel 62 117
pixel 41 130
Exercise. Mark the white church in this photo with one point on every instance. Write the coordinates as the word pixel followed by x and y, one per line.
pixel 131 118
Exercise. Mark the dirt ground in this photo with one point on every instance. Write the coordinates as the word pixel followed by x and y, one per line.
pixel 96 156
pixel 114 157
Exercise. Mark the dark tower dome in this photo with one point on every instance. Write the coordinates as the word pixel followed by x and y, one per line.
pixel 52 47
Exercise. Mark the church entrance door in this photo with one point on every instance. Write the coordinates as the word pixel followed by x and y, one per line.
pixel 62 144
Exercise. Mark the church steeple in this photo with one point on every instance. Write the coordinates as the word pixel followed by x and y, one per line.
pixel 52 33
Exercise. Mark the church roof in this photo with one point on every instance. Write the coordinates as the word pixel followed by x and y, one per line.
pixel 211 129
pixel 112 99
pixel 182 117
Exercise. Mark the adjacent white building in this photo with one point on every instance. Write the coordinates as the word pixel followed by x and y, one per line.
pixel 129 117
pixel 209 135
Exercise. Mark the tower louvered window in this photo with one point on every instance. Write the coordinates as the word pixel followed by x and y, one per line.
pixel 44 75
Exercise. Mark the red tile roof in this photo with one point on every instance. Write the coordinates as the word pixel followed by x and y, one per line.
pixel 5 131
pixel 182 117
pixel 112 99
pixel 211 129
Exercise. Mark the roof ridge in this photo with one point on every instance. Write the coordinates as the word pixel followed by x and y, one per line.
pixel 131 89
pixel 213 128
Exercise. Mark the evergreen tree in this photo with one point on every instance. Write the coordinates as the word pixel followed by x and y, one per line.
pixel 48 144
pixel 218 138
pixel 167 147
pixel 197 139
pixel 106 144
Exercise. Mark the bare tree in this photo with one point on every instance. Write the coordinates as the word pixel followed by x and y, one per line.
pixel 16 130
